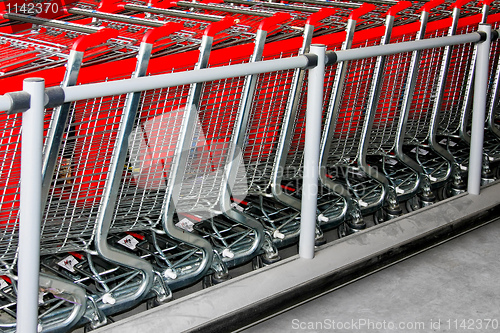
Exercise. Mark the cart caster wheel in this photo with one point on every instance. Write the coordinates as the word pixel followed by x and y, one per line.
pixel 442 193
pixel 266 260
pixel 320 241
pixel 345 229
pixel 341 230
pixel 380 216
pixel 152 303
pixel 413 204
pixel 497 172
pixel 446 191
pixel 488 177
pixel 263 261
pixel 212 280
pixel 89 327
pixel 257 263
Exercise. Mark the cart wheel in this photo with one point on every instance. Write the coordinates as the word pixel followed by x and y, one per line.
pixel 152 303
pixel 207 281
pixel 345 230
pixel 444 192
pixel 212 280
pixel 88 327
pixel 320 241
pixel 413 204
pixel 257 263
pixel 341 230
pixel 379 216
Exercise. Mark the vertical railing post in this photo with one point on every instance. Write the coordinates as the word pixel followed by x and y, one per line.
pixel 311 154
pixel 479 111
pixel 30 208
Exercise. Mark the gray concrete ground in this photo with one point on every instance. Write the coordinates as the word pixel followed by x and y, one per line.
pixel 450 288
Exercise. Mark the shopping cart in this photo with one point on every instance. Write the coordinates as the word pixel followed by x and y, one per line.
pixel 492 131
pixel 223 109
pixel 387 110
pixel 261 117
pixel 72 187
pixel 62 303
pixel 420 143
pixel 142 202
pixel 453 130
pixel 342 135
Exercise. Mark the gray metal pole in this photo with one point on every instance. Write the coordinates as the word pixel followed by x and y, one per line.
pixel 479 110
pixel 95 90
pixel 30 208
pixel 410 46
pixel 311 154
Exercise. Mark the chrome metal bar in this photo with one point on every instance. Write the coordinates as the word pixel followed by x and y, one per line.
pixel 275 5
pixel 30 208
pixel 51 23
pixel 116 17
pixel 176 79
pixel 329 3
pixel 173 12
pixel 479 110
pixel 223 9
pixel 311 154
pixel 381 50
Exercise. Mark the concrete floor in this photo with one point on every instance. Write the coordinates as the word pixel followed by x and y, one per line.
pixel 450 288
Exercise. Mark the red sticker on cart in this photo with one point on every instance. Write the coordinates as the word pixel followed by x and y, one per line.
pixel 129 242
pixel 420 151
pixel 3 283
pixel 68 263
pixel 449 142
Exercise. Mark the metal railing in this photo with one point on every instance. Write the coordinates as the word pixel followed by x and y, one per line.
pixel 35 98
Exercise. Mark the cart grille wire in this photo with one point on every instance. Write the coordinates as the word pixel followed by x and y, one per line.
pixel 293 168
pixel 10 174
pixel 388 111
pixel 22 53
pixel 264 126
pixel 419 118
pixel 76 191
pixel 203 177
pixel 48 47
pixel 493 110
pixel 351 115
pixel 451 112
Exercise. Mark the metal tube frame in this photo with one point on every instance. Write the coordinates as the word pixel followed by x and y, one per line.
pixel 479 110
pixel 311 154
pixel 30 208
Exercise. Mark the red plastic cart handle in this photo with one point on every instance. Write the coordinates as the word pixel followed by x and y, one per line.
pixel 485 2
pixel 109 6
pixel 155 34
pixel 400 6
pixel 460 3
pixel 84 42
pixel 320 15
pixel 217 27
pixel 165 4
pixel 364 9
pixel 431 5
pixel 271 23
